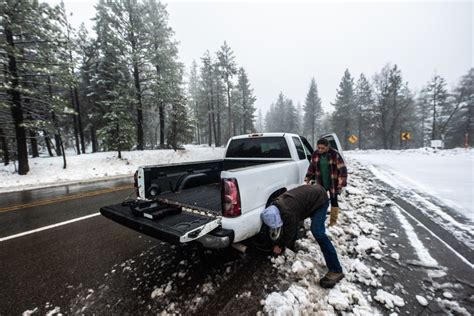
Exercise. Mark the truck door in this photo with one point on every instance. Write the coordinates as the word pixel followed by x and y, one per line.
pixel 303 162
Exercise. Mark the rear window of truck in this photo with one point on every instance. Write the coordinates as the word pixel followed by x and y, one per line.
pixel 258 147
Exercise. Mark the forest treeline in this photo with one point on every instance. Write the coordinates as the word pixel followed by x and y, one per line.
pixel 379 111
pixel 124 88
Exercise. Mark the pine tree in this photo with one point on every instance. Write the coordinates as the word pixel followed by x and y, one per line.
pixel 342 118
pixel 228 69
pixel 73 51
pixel 119 129
pixel 193 101
pixel 219 101
pixel 282 116
pixel 364 107
pixel 128 25
pixel 110 79
pixel 161 53
pixel 462 125
pixel 393 100
pixel 300 118
pixel 33 45
pixel 312 113
pixel 91 115
pixel 260 125
pixel 207 83
pixel 291 117
pixel 246 103
pixel 436 94
pixel 180 129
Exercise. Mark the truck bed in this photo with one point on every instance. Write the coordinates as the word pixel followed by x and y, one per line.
pixel 204 198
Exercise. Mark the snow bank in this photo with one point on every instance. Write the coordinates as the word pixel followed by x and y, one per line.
pixel 443 174
pixel 354 239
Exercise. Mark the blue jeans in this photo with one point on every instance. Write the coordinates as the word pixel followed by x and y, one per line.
pixel 319 232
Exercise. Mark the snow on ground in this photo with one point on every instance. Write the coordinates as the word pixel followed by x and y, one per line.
pixel 46 171
pixel 447 175
pixel 359 241
pixel 430 180
pixel 356 239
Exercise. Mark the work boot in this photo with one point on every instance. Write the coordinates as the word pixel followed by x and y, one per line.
pixel 330 279
pixel 334 214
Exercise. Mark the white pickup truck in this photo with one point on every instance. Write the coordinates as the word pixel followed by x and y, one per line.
pixel 218 202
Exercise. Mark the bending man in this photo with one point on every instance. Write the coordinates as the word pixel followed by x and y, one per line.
pixel 292 207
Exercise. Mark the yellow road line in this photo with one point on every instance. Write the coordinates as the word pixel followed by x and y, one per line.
pixel 64 198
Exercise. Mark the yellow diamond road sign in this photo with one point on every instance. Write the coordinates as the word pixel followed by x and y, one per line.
pixel 353 139
pixel 406 136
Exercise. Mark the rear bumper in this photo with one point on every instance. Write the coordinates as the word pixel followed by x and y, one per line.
pixel 217 239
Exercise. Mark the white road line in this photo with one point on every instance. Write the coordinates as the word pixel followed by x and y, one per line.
pixel 48 227
pixel 421 251
pixel 436 236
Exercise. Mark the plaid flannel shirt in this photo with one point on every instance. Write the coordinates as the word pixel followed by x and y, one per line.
pixel 336 165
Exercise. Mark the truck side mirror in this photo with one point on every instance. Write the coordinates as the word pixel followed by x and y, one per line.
pixel 308 157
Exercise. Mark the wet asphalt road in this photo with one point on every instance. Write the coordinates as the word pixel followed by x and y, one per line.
pixel 97 266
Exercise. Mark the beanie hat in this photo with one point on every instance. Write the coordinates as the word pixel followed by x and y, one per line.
pixel 271 217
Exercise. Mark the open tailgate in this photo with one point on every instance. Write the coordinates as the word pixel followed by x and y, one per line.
pixel 170 223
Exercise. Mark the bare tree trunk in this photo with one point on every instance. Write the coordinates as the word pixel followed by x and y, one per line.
pixel 218 135
pixel 57 138
pixel 47 140
pixel 209 113
pixel 79 120
pixel 213 118
pixel 75 124
pixel 119 143
pixel 161 110
pixel 138 92
pixel 6 153
pixel 231 121
pixel 433 132
pixel 16 107
pixel 95 145
pixel 34 143
pixel 32 133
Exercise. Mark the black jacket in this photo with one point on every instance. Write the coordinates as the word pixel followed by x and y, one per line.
pixel 295 205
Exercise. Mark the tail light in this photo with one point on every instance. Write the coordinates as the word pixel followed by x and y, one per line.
pixel 135 183
pixel 231 206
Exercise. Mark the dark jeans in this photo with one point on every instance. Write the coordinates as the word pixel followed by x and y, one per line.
pixel 333 199
pixel 318 229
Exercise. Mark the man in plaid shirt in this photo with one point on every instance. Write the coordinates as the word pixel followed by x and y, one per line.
pixel 328 169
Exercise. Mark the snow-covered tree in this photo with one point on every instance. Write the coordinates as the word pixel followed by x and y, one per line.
pixel 393 105
pixel 245 99
pixel 344 105
pixel 282 116
pixel 312 113
pixel 364 107
pixel 228 68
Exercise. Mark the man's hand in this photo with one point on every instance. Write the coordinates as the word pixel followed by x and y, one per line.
pixel 277 250
pixel 306 180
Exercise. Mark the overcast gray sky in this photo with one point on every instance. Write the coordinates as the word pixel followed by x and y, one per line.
pixel 283 45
